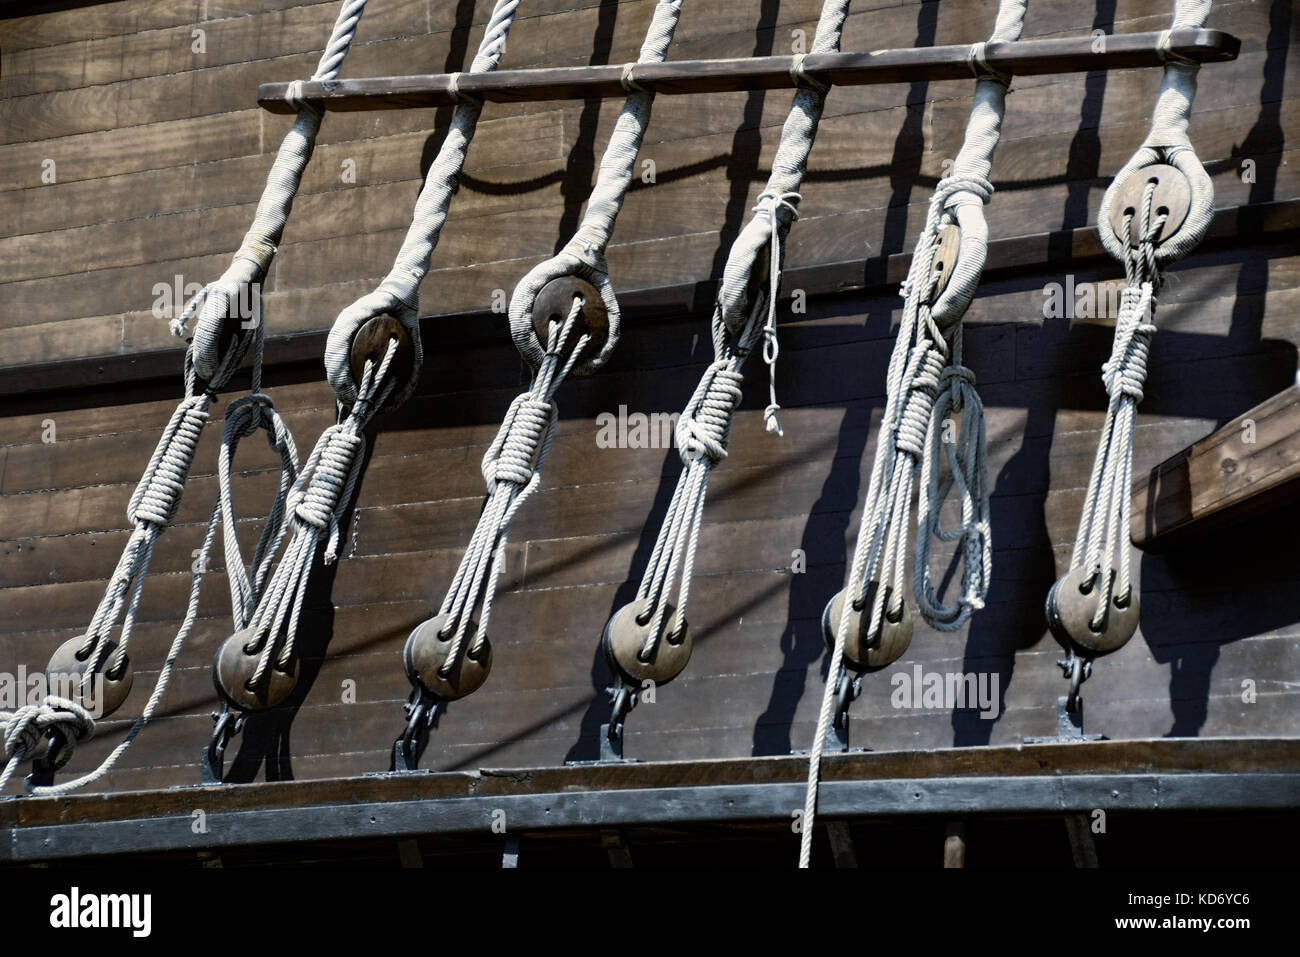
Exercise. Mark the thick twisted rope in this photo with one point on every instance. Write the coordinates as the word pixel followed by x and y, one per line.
pixel 705 424
pixel 584 254
pixel 314 505
pixel 512 471
pixel 157 497
pixel 926 376
pixel 217 303
pixel 1104 525
pixel 399 293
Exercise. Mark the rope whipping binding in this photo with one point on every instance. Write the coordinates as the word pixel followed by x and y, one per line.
pixel 564 319
pixel 222 337
pixel 1154 212
pixel 927 385
pixel 649 639
pixel 372 360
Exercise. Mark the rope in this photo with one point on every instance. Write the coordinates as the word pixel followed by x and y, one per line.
pixel 584 254
pixel 321 493
pixel 926 384
pixel 399 293
pixel 512 464
pixel 241 281
pixel 1104 524
pixel 704 426
pixel 314 504
pixel 511 471
pixel 157 497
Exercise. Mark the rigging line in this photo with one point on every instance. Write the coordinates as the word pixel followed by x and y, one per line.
pixel 1093 609
pixel 213 361
pixel 636 640
pixel 512 465
pixel 925 373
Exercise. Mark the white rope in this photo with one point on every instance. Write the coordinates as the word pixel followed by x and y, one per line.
pixel 324 489
pixel 249 266
pixel 512 464
pixel 926 376
pixel 398 294
pixel 704 426
pixel 317 500
pixel 512 471
pixel 584 255
pixel 157 497
pixel 1104 523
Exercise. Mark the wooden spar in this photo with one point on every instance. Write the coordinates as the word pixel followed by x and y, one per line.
pixel 1022 58
pixel 1247 467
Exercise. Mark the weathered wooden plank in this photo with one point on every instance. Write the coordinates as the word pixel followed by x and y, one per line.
pixel 1245 468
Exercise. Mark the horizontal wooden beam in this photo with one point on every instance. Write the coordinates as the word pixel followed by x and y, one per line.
pixel 1138 775
pixel 1022 58
pixel 868 276
pixel 1247 467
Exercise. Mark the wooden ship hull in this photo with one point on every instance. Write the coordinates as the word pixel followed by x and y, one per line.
pixel 131 166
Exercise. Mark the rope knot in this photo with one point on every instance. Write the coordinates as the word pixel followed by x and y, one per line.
pixel 1125 372
pixel 702 430
pixel 914 422
pixel 511 458
pixel 318 505
pixel 158 495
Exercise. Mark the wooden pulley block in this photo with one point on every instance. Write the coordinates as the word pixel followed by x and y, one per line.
pixel 553 303
pixel 105 692
pixel 1173 196
pixel 945 258
pixel 1072 606
pixel 234 665
pixel 371 343
pixel 863 652
pixel 625 636
pixel 426 654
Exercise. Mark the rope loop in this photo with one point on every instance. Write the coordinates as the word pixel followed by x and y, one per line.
pixel 769 204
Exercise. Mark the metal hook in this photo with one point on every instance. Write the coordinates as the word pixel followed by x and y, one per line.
pixel 228 723
pixel 57 754
pixel 422 709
